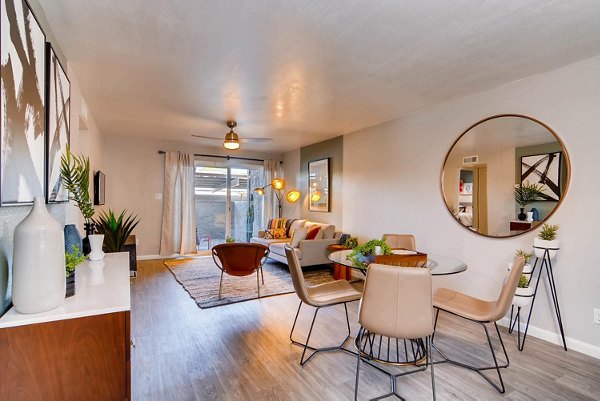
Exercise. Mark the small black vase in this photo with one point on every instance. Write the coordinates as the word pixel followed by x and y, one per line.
pixel 89 230
pixel 522 216
pixel 70 291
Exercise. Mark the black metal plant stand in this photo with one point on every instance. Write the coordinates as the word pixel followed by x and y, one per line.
pixel 545 266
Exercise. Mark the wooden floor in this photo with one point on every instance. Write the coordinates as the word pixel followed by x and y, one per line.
pixel 242 352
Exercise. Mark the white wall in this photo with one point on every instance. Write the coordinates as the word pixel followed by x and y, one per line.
pixel 391 184
pixel 135 173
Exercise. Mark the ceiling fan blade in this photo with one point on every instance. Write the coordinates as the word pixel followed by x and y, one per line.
pixel 207 137
pixel 256 140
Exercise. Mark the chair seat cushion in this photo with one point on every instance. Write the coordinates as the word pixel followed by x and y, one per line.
pixel 464 305
pixel 333 292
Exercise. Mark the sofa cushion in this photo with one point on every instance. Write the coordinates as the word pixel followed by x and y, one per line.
pixel 279 249
pixel 266 242
pixel 328 231
pixel 298 235
pixel 275 233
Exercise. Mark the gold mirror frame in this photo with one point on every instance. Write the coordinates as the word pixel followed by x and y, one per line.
pixel 565 190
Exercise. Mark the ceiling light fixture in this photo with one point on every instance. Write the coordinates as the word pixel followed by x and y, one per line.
pixel 232 141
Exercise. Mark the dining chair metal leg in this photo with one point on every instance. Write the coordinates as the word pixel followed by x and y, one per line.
pixel 480 370
pixel 257 283
pixel 358 358
pixel 307 346
pixel 262 275
pixel 220 283
pixel 430 357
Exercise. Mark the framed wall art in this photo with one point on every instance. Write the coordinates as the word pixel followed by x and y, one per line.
pixel 318 186
pixel 58 132
pixel 23 112
pixel 545 170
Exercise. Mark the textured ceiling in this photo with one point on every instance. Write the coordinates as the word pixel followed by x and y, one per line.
pixel 301 71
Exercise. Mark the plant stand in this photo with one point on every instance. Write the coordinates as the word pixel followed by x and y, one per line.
pixel 545 265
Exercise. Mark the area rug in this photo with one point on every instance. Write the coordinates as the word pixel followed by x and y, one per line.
pixel 199 276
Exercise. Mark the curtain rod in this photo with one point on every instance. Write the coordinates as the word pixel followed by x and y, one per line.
pixel 162 152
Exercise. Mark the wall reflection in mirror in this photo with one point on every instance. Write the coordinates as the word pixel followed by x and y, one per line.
pixel 505 175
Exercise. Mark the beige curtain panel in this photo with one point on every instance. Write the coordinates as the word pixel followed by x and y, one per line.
pixel 178 235
pixel 271 171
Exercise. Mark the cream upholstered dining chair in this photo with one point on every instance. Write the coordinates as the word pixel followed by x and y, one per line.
pixel 397 304
pixel 482 312
pixel 320 296
pixel 405 241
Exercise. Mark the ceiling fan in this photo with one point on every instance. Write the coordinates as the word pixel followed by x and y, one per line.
pixel 232 140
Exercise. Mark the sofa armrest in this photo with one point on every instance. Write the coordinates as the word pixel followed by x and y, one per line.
pixel 261 234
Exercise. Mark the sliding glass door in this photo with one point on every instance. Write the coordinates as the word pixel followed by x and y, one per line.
pixel 226 205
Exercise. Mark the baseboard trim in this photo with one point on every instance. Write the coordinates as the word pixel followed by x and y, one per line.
pixel 554 338
pixel 149 257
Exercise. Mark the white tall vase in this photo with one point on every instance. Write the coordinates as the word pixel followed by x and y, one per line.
pixel 38 283
pixel 96 241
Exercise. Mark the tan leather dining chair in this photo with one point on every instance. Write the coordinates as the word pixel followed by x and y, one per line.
pixel 482 312
pixel 397 304
pixel 320 296
pixel 405 241
pixel 240 259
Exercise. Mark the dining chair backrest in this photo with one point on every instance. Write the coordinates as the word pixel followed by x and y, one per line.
pixel 508 289
pixel 405 241
pixel 297 275
pixel 397 302
pixel 239 259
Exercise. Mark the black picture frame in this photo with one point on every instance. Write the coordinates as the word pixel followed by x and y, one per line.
pixel 99 188
pixel 549 175
pixel 23 114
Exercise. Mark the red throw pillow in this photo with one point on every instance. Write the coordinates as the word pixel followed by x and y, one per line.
pixel 312 233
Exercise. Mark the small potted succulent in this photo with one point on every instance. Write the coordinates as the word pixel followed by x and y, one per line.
pixel 524 292
pixel 528 268
pixel 546 239
pixel 73 258
pixel 229 239
pixel 364 255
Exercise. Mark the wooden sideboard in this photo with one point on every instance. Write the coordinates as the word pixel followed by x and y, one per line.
pixel 80 351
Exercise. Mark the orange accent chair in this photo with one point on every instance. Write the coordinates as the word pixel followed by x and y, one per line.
pixel 240 260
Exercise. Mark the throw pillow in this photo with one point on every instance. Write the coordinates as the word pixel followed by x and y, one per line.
pixel 298 235
pixel 288 226
pixel 343 239
pixel 268 234
pixel 275 233
pixel 312 233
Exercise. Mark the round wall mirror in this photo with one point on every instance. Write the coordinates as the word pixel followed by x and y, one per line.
pixel 505 175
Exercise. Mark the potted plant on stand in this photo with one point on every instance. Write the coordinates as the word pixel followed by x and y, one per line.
pixel 527 269
pixel 73 258
pixel 525 194
pixel 546 239
pixel 524 292
pixel 75 174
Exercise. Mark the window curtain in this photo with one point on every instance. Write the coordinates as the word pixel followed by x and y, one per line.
pixel 178 234
pixel 271 206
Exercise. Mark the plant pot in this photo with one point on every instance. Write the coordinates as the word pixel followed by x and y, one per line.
pixel 70 289
pixel 38 270
pixel 523 296
pixel 522 216
pixel 527 269
pixel 540 245
pixel 96 252
pixel 529 217
pixel 89 230
pixel 378 250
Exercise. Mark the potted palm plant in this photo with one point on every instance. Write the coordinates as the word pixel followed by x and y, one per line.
pixel 546 239
pixel 75 174
pixel 116 229
pixel 526 193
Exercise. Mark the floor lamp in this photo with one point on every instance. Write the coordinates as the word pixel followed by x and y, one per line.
pixel 278 186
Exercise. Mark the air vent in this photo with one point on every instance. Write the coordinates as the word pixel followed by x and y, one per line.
pixel 470 159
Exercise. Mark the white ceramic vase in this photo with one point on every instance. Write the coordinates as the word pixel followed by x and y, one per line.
pixel 38 283
pixel 529 217
pixel 378 250
pixel 96 241
pixel 540 245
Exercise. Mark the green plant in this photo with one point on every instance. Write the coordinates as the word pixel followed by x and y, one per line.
pixel 229 239
pixel 75 174
pixel 116 229
pixel 527 193
pixel 361 255
pixel 548 232
pixel 73 258
pixel 526 255
pixel 351 242
pixel 523 282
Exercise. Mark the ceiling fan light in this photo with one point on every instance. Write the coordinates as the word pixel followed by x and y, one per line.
pixel 232 141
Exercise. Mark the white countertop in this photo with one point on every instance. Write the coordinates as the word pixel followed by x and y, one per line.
pixel 100 287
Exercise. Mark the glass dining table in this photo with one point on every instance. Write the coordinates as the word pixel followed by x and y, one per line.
pixel 393 351
pixel 438 265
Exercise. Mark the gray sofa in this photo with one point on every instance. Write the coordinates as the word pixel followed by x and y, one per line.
pixel 309 252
